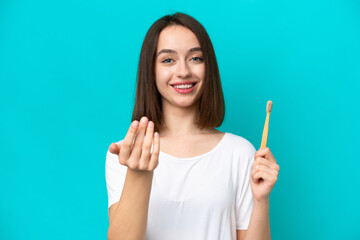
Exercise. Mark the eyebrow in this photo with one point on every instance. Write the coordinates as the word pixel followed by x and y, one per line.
pixel 195 49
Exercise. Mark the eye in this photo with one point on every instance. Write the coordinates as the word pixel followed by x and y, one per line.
pixel 197 59
pixel 167 60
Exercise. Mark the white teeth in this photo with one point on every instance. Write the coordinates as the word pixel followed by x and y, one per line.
pixel 184 86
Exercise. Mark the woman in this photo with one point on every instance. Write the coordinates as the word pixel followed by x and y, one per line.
pixel 203 183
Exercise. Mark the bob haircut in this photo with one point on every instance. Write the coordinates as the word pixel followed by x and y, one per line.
pixel 211 104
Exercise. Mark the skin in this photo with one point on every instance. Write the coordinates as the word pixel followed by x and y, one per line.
pixel 179 116
pixel 179 109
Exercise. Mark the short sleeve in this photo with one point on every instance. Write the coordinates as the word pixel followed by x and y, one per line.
pixel 115 174
pixel 244 199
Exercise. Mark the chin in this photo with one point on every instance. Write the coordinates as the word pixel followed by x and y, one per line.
pixel 185 104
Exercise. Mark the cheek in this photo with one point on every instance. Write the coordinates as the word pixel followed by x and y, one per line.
pixel 163 75
pixel 162 78
pixel 200 71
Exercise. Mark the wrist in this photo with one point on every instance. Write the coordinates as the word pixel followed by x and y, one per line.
pixel 262 202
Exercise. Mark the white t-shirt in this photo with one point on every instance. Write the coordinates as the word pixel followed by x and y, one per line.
pixel 204 197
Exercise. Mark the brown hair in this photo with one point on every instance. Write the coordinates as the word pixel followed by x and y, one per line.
pixel 211 103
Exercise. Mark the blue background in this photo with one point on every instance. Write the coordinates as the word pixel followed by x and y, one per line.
pixel 68 70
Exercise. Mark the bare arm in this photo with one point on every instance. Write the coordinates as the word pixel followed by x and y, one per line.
pixel 259 225
pixel 240 234
pixel 263 177
pixel 128 217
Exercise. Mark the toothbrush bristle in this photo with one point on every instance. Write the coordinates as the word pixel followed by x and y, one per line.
pixel 269 106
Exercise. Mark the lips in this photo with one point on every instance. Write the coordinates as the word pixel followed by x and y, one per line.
pixel 185 82
pixel 189 87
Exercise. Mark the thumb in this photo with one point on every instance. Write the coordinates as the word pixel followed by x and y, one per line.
pixel 114 148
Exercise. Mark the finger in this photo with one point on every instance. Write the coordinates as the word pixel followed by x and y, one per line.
pixel 145 153
pixel 263 161
pixel 262 152
pixel 265 176
pixel 265 153
pixel 260 167
pixel 266 162
pixel 270 156
pixel 139 139
pixel 128 140
pixel 155 153
pixel 114 148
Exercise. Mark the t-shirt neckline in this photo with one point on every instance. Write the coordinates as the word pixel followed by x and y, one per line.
pixel 199 156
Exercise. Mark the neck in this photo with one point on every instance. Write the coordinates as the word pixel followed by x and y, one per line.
pixel 179 121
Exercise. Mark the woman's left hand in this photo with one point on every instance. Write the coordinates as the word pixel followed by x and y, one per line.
pixel 264 173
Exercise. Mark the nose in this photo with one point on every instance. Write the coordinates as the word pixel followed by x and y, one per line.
pixel 183 70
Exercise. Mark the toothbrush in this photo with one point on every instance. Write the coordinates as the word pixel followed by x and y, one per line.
pixel 266 126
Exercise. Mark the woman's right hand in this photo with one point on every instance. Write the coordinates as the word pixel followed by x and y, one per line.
pixel 137 156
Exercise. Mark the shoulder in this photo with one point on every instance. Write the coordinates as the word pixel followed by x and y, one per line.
pixel 239 143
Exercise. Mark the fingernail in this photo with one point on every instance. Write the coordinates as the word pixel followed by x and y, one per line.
pixel 143 120
pixel 151 124
pixel 135 124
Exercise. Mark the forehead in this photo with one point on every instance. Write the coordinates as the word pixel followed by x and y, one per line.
pixel 178 38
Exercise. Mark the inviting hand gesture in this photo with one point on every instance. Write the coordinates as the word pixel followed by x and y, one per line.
pixel 134 152
pixel 263 175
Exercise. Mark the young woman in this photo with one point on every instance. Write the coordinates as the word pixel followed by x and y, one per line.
pixel 199 183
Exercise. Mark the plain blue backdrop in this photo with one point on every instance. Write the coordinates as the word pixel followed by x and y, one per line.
pixel 68 71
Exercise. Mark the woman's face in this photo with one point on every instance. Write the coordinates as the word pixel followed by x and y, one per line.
pixel 179 67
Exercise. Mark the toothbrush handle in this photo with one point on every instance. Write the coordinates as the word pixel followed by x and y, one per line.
pixel 265 132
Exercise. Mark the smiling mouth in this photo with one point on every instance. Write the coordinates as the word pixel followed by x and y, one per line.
pixel 184 86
